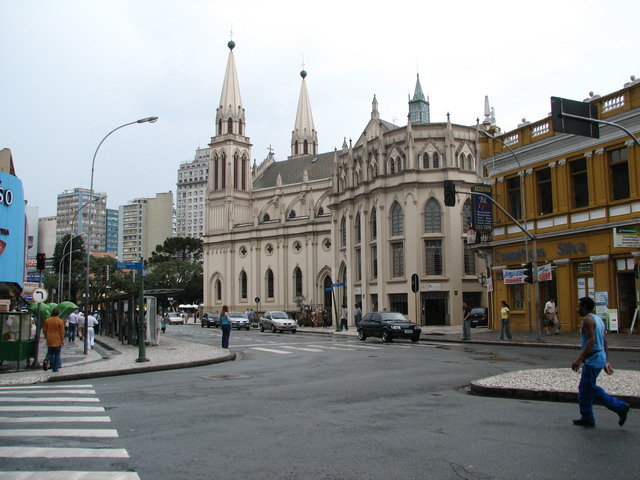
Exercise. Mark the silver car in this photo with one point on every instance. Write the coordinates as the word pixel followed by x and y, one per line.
pixel 277 321
pixel 238 320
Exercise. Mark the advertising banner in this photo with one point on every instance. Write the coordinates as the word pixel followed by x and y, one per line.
pixel 12 229
pixel 626 237
pixel 512 277
pixel 482 209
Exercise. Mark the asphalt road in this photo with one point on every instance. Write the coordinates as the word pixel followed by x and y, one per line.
pixel 296 406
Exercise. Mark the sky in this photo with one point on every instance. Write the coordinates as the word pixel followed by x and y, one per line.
pixel 73 70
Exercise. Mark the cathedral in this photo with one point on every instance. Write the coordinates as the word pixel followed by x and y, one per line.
pixel 349 226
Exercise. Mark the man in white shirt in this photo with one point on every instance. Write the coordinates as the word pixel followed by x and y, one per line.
pixel 91 322
pixel 73 325
pixel 551 316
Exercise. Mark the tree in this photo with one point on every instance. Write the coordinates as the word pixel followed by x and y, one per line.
pixel 187 249
pixel 175 273
pixel 61 268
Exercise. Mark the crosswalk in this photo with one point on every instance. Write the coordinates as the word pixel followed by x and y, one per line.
pixel 286 349
pixel 48 426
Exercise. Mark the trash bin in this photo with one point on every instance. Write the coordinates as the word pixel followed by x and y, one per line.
pixel 15 337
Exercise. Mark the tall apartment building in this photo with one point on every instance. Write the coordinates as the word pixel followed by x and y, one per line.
pixel 111 237
pixel 144 224
pixel 47 227
pixel 191 191
pixel 73 216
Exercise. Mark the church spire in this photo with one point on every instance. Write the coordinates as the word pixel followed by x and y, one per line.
pixel 304 138
pixel 419 106
pixel 230 114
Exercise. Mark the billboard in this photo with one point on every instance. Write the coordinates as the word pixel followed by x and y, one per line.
pixel 12 229
pixel 482 209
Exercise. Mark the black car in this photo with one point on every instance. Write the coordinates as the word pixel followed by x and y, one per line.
pixel 209 319
pixel 479 317
pixel 388 325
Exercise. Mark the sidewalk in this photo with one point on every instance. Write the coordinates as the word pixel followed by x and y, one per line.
pixel 110 357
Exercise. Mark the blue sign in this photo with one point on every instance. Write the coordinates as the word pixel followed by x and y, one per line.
pixel 338 285
pixel 35 277
pixel 129 266
pixel 12 229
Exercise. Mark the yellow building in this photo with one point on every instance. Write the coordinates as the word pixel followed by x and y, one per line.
pixel 580 198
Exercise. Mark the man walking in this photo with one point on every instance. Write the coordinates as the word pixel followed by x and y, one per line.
pixel 53 329
pixel 594 355
pixel 551 316
pixel 73 325
pixel 466 322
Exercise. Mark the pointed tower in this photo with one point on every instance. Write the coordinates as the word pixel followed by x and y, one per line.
pixel 419 106
pixel 304 138
pixel 229 180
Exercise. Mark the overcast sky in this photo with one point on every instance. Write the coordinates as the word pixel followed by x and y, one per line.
pixel 72 70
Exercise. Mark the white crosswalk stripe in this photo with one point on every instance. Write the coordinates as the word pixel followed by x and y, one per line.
pixel 272 350
pixel 18 445
pixel 303 349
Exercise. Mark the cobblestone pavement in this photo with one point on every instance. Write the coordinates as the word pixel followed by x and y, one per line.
pixel 110 357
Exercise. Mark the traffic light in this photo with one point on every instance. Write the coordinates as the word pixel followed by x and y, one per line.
pixel 449 193
pixel 40 260
pixel 528 273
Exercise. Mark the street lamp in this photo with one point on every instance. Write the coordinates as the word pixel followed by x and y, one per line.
pixel 526 239
pixel 93 163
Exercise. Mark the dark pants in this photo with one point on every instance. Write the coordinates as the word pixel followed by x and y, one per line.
pixel 226 333
pixel 54 358
pixel 588 392
pixel 505 329
pixel 72 332
pixel 343 324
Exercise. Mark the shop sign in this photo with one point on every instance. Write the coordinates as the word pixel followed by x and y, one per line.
pixel 514 277
pixel 626 237
pixel 12 229
pixel 482 209
pixel 544 273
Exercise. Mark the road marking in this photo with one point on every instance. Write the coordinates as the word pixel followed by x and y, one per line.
pixel 332 348
pixel 38 387
pixel 55 419
pixel 304 349
pixel 368 347
pixel 60 432
pixel 42 452
pixel 67 475
pixel 79 392
pixel 48 399
pixel 52 408
pixel 270 350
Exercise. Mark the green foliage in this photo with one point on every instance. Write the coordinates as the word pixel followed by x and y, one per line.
pixel 175 273
pixel 187 249
pixel 299 301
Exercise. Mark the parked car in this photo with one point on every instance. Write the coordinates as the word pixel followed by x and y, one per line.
pixel 175 319
pixel 479 317
pixel 277 321
pixel 210 320
pixel 388 325
pixel 238 320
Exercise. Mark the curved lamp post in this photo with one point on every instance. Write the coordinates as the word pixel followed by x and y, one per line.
pixel 93 163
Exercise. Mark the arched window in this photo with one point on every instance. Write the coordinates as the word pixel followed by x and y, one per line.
pixel 243 285
pixel 223 174
pixel 297 281
pixel 436 160
pixel 356 229
pixel 219 126
pixel 230 125
pixel 374 223
pixel 292 214
pixel 306 147
pixel 269 283
pixel 469 162
pixel 218 290
pixel 215 172
pixel 266 217
pixel 425 160
pixel 343 232
pixel 432 217
pixel 399 164
pixel 320 211
pixel 295 148
pixel 240 127
pixel 397 220
pixel 461 161
pixel 467 216
pixel 236 170
pixel 244 172
pixel 392 166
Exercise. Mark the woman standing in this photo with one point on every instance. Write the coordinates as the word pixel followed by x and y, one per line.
pixel 505 313
pixel 225 325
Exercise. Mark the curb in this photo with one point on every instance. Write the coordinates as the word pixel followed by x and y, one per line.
pixel 544 395
pixel 142 369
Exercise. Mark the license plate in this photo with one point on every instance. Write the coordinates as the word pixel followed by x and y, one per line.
pixel 408 331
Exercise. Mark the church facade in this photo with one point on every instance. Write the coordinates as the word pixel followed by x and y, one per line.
pixel 350 226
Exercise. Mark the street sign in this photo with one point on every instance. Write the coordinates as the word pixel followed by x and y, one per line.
pixel 415 283
pixel 576 126
pixel 338 285
pixel 40 295
pixel 129 266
